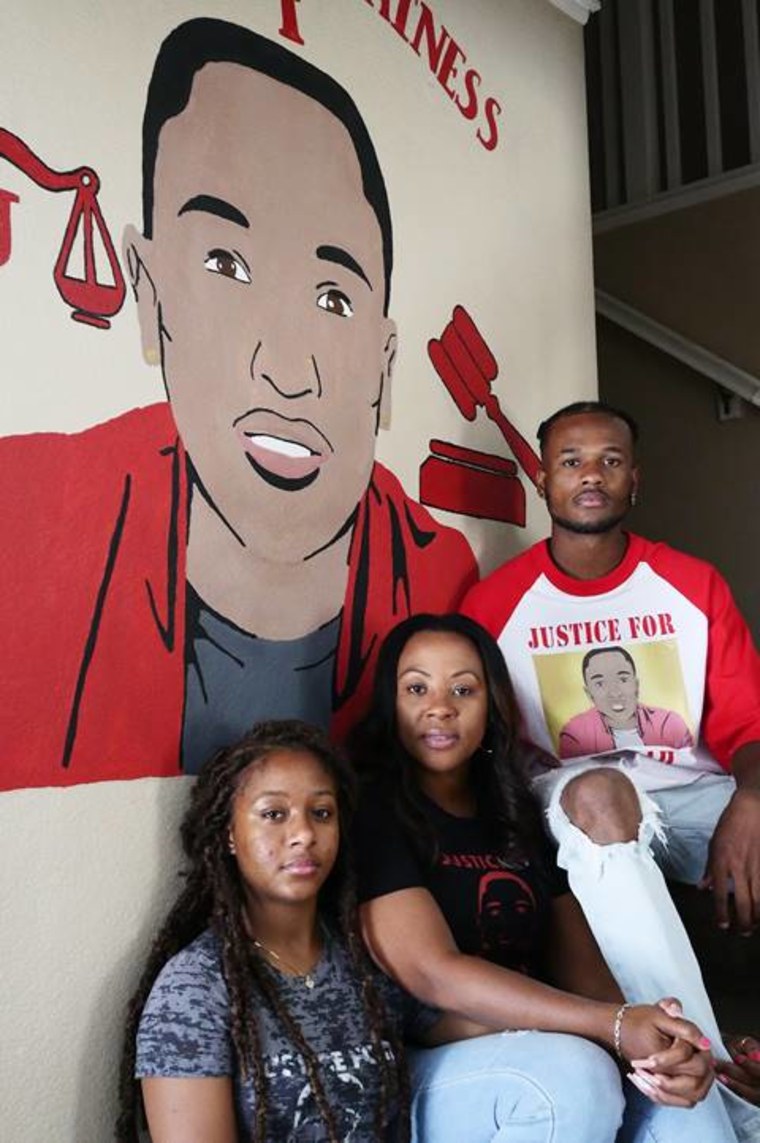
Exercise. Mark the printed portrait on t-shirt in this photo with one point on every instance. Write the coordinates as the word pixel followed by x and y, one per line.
pixel 615 699
pixel 507 918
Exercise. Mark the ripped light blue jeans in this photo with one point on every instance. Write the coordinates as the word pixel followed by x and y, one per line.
pixel 627 904
pixel 544 1087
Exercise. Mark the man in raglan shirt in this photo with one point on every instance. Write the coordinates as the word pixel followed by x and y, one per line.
pixel 695 801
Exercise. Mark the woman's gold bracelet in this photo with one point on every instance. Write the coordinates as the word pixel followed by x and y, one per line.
pixel 617 1029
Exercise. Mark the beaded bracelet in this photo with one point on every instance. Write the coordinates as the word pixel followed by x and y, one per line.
pixel 617 1028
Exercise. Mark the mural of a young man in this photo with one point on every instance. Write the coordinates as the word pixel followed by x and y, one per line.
pixel 617 720
pixel 176 573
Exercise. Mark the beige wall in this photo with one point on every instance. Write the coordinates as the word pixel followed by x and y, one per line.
pixel 85 871
pixel 700 476
pixel 86 874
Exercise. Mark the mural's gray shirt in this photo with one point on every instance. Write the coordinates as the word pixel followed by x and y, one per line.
pixel 234 679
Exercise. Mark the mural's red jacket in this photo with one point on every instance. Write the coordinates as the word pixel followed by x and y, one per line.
pixel 92 575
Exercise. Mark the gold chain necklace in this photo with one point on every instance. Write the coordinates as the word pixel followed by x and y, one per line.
pixel 306 978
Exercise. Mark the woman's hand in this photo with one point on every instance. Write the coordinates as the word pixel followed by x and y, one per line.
pixel 679 1076
pixel 742 1075
pixel 649 1029
pixel 680 1073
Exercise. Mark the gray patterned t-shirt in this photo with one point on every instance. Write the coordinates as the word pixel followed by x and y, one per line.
pixel 185 1031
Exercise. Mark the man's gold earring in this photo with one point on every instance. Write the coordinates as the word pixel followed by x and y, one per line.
pixel 151 355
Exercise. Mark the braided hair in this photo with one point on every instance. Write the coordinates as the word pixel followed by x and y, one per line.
pixel 504 803
pixel 213 897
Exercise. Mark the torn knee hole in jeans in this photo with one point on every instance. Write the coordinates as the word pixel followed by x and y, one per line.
pixel 573 842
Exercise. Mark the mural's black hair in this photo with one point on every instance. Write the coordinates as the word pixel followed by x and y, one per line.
pixel 505 803
pixel 213 897
pixel 197 42
pixel 604 651
pixel 579 407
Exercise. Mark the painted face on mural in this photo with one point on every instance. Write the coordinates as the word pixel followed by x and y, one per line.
pixel 588 473
pixel 613 688
pixel 264 288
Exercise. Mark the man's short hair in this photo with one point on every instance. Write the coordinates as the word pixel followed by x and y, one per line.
pixel 606 651
pixel 579 407
pixel 197 42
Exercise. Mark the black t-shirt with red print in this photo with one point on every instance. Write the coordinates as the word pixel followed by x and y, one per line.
pixel 497 907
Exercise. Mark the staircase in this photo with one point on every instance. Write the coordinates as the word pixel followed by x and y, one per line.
pixel 674 126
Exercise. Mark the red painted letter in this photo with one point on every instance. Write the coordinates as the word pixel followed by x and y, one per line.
pixel 289 27
pixel 493 108
pixel 6 198
pixel 472 83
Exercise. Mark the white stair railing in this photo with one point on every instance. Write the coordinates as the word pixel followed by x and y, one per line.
pixel 681 348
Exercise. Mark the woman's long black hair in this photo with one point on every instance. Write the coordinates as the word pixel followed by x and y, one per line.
pixel 213 897
pixel 504 802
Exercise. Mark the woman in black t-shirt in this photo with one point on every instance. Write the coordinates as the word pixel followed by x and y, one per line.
pixel 463 904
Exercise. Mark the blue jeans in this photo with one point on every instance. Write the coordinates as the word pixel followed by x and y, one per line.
pixel 544 1087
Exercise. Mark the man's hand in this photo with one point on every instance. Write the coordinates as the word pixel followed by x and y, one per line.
pixel 735 857
pixel 742 1075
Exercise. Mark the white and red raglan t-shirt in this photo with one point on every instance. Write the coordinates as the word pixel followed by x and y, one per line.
pixel 697 672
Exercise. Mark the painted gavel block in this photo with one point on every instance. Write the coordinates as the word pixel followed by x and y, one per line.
pixel 472 483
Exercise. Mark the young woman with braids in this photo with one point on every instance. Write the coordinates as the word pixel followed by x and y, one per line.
pixel 451 849
pixel 259 1015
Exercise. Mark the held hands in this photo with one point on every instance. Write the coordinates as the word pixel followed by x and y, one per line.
pixel 742 1075
pixel 735 857
pixel 670 1059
